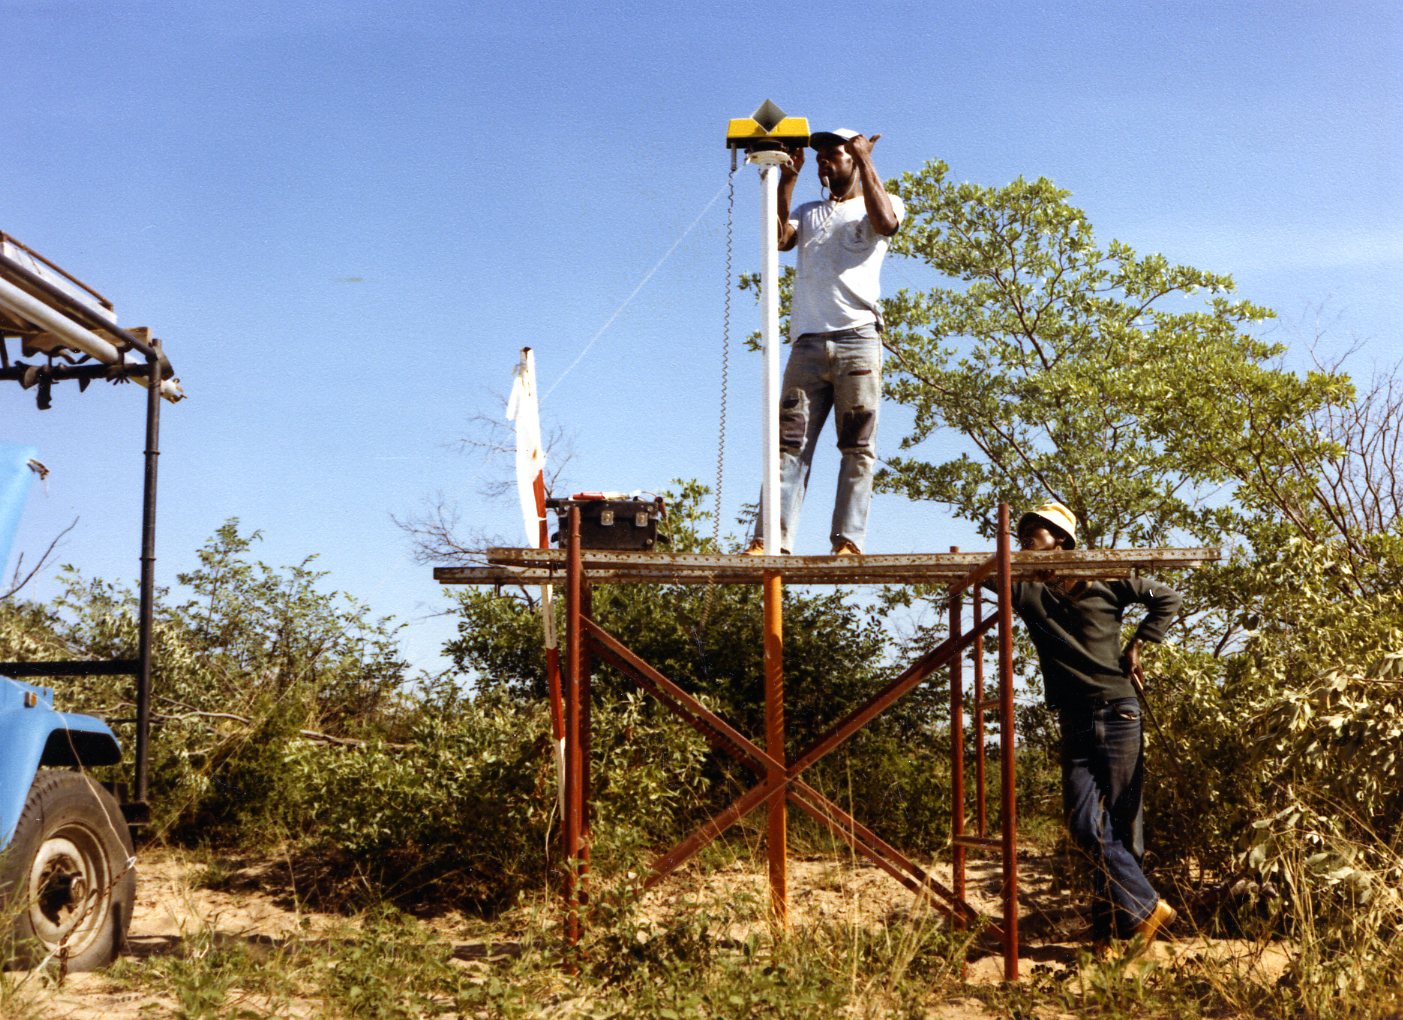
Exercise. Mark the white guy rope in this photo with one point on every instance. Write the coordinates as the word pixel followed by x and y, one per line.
pixel 641 284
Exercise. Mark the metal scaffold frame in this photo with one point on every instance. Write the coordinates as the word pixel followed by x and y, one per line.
pixel 779 780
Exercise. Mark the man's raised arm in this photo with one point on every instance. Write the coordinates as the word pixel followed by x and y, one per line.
pixel 788 174
pixel 879 210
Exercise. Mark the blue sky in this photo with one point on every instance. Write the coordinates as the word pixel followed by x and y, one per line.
pixel 346 218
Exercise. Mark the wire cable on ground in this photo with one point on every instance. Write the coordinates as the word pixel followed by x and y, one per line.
pixel 96 895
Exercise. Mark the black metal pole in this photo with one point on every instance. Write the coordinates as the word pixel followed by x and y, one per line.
pixel 148 573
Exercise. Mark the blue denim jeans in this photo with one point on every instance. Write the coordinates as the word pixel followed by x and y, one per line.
pixel 1103 773
pixel 838 372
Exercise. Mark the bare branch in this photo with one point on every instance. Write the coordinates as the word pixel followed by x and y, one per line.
pixel 313 735
pixel 438 538
pixel 16 581
pixel 436 533
pixel 1361 489
pixel 493 440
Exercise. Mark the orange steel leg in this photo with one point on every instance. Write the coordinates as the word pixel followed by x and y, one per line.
pixel 572 823
pixel 957 751
pixel 1007 799
pixel 776 842
pixel 981 814
pixel 586 733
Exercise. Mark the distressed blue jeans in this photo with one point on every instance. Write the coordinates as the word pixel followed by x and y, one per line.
pixel 839 372
pixel 1103 773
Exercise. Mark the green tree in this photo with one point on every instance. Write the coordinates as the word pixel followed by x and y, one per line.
pixel 1119 384
pixel 1141 394
pixel 253 657
pixel 710 642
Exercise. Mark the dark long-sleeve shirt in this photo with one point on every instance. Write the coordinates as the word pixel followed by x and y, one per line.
pixel 1079 639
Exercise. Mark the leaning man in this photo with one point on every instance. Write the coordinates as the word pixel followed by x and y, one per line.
pixel 1090 682
pixel 835 322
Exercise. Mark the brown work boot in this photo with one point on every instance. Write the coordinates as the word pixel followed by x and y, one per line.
pixel 846 548
pixel 1161 917
pixel 757 548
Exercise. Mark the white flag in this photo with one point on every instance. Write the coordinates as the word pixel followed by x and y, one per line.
pixel 523 407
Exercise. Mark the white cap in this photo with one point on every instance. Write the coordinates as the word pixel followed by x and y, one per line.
pixel 823 139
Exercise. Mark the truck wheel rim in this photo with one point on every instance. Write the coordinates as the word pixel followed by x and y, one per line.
pixel 69 888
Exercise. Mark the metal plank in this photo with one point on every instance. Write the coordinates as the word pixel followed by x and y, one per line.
pixel 545 566
pixel 1057 560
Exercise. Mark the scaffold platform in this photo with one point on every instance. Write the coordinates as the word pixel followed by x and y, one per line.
pixel 967 580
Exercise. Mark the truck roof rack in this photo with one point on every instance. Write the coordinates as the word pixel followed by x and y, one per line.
pixel 69 329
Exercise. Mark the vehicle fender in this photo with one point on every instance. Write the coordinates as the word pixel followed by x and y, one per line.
pixel 34 734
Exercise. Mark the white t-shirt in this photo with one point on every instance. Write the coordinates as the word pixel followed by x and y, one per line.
pixel 838 275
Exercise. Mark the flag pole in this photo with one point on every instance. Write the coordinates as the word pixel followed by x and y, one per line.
pixel 523 408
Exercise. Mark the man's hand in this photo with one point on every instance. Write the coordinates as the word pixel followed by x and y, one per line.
pixel 795 164
pixel 1132 662
pixel 860 148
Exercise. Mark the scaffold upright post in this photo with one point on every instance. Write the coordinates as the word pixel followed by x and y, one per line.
pixel 776 838
pixel 574 787
pixel 1008 806
pixel 981 816
pixel 146 608
pixel 957 751
pixel 586 740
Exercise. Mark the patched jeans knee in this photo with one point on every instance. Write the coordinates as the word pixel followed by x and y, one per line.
pixel 842 373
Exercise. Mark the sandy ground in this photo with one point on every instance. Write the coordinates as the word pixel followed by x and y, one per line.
pixel 173 906
pixel 1051 928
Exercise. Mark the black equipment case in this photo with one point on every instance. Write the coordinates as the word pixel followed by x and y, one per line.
pixel 610 520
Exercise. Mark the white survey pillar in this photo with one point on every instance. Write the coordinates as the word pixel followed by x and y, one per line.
pixel 770 343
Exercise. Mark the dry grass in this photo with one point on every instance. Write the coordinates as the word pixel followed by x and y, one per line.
pixel 703 945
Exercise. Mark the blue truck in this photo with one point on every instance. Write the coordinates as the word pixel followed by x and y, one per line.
pixel 67 867
pixel 67 863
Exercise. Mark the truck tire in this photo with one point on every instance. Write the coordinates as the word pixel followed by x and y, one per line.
pixel 68 878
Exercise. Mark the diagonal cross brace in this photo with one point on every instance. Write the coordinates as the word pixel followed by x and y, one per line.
pixel 712 726
pixel 725 737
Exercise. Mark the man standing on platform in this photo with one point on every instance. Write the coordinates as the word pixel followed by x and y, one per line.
pixel 835 323
pixel 1092 684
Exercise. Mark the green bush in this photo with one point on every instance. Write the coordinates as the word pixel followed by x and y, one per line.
pixel 465 813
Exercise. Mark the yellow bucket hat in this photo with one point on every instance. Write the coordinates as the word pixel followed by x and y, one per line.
pixel 1056 515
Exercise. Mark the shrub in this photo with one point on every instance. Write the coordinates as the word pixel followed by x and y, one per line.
pixel 463 813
